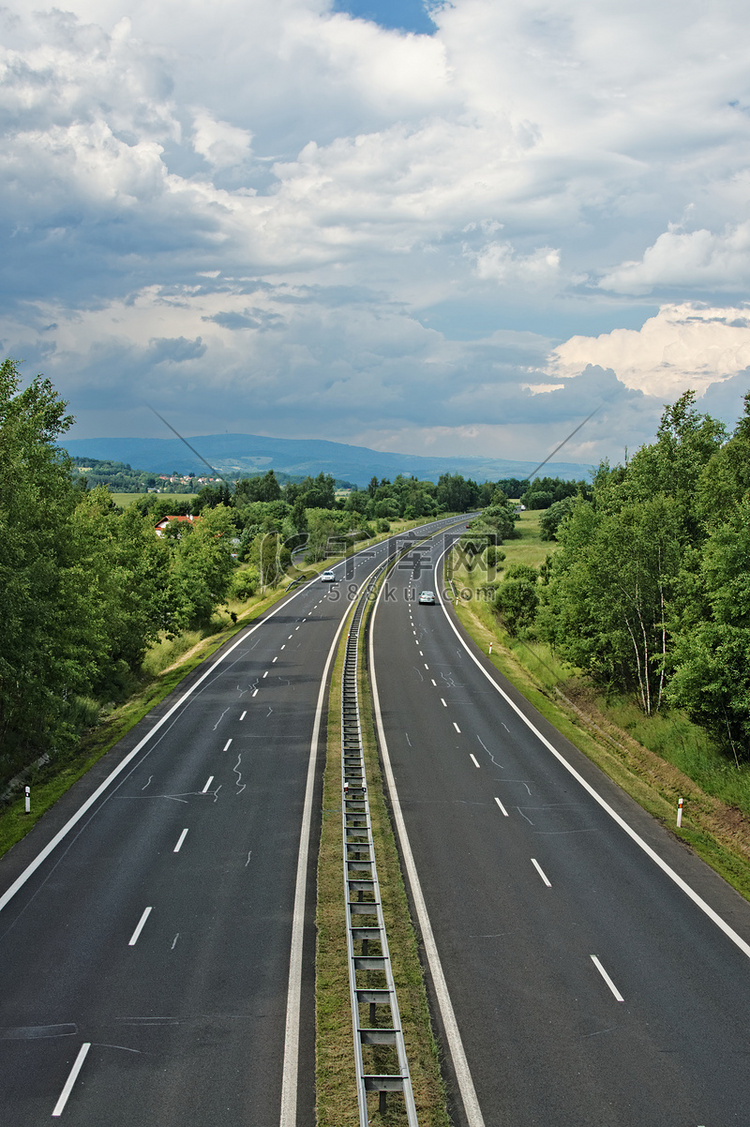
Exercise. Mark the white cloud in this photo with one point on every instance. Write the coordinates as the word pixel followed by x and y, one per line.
pixel 688 259
pixel 305 192
pixel 219 143
pixel 683 346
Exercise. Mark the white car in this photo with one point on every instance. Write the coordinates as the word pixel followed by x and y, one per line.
pixel 427 597
pixel 327 577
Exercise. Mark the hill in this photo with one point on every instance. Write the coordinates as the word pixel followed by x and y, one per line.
pixel 235 455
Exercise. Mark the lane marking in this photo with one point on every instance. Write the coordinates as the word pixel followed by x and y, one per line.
pixel 226 745
pixel 426 665
pixel 244 714
pixel 699 902
pixel 208 784
pixel 284 646
pixel 539 869
pixel 255 692
pixel 455 725
pixel 607 979
pixel 466 1087
pixel 275 659
pixel 182 837
pixel 266 673
pixel 442 700
pixel 497 800
pixel 473 759
pixel 134 937
pixel 72 1077
pixel 433 681
pixel 62 833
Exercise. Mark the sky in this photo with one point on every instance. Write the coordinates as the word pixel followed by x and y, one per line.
pixel 451 226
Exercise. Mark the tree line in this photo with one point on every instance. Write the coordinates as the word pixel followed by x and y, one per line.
pixel 649 590
pixel 87 587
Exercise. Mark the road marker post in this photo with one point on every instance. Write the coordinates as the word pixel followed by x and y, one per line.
pixel 679 812
pixel 28 799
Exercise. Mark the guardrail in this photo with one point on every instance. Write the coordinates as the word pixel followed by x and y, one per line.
pixel 378 1038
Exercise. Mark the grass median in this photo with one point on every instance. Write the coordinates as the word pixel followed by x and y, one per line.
pixel 336 1078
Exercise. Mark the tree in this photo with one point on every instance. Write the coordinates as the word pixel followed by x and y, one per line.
pixel 517 599
pixel 203 567
pixel 41 594
pixel 607 597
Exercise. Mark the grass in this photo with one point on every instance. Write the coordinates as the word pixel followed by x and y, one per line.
pixel 656 760
pixel 336 1089
pixel 125 499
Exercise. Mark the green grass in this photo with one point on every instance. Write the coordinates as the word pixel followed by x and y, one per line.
pixel 125 499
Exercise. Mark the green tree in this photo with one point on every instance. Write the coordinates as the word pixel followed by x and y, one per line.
pixel 517 598
pixel 203 567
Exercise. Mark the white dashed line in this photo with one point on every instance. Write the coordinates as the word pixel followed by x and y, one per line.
pixel 178 847
pixel 244 714
pixel 275 659
pixel 442 700
pixel 433 681
pixel 607 979
pixel 538 868
pixel 455 725
pixel 208 784
pixel 255 693
pixel 73 1076
pixel 226 745
pixel 505 812
pixel 473 759
pixel 134 937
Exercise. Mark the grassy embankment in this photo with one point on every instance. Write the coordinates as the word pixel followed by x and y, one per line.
pixel 335 1066
pixel 657 760
pixel 166 664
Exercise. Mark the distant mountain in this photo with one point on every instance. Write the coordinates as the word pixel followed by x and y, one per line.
pixel 236 455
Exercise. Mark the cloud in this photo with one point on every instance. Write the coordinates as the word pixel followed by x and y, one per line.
pixel 688 260
pixel 683 346
pixel 449 235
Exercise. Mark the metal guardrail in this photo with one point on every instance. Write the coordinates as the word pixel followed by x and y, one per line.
pixel 375 1014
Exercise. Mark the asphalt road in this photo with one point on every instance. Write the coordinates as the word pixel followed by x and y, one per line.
pixel 145 963
pixel 588 987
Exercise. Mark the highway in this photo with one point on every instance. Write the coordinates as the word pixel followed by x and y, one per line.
pixel 156 927
pixel 575 967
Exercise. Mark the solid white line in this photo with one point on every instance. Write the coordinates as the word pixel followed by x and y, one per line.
pixel 290 1066
pixel 714 916
pixel 226 745
pixel 538 868
pixel 134 937
pixel 455 1044
pixel 473 759
pixel 505 812
pixel 72 1077
pixel 178 847
pixel 607 979
pixel 455 725
pixel 208 784
pixel 244 714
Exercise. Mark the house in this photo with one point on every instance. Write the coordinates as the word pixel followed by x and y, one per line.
pixel 162 524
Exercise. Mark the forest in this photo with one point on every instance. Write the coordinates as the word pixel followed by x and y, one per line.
pixel 87 587
pixel 648 591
